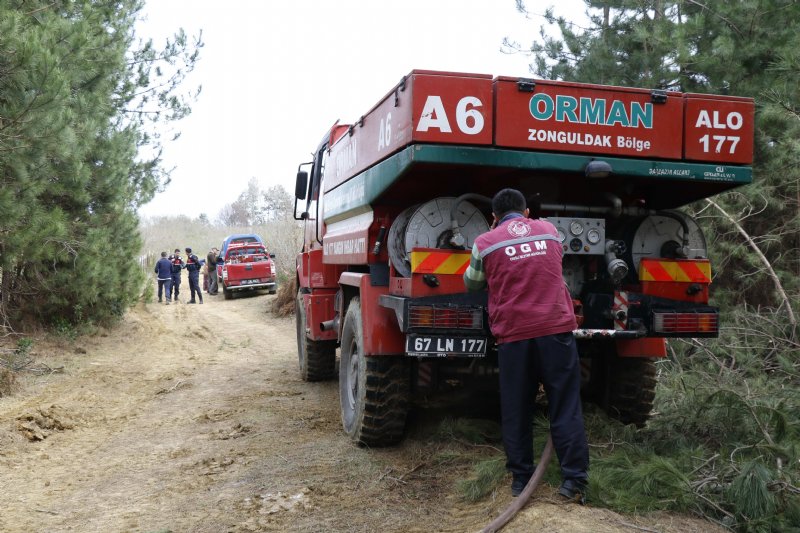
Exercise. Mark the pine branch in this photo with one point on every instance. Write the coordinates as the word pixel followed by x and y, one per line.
pixel 727 21
pixel 29 13
pixel 778 286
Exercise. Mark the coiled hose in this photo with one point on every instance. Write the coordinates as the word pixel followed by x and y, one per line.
pixel 519 502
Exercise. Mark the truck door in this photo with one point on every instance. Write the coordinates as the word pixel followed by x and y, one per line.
pixel 313 230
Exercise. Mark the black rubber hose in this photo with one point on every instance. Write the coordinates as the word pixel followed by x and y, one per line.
pixel 467 196
pixel 519 502
pixel 680 220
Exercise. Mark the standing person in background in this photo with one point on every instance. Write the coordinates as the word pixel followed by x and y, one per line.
pixel 211 265
pixel 532 317
pixel 193 266
pixel 177 266
pixel 164 276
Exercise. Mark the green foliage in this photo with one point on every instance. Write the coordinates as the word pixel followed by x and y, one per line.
pixel 487 473
pixel 65 329
pixel 729 421
pixel 73 128
pixel 724 441
pixel 751 488
pixel 469 430
pixel 486 477
pixel 149 290
pixel 24 346
pixel 639 480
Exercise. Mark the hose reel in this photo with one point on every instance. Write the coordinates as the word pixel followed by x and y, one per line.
pixel 429 225
pixel 664 235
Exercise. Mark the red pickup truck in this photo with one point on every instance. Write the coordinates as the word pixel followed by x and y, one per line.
pixel 246 267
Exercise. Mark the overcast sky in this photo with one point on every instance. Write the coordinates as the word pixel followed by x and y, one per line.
pixel 277 75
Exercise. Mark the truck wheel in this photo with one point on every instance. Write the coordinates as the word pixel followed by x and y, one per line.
pixel 373 391
pixel 226 293
pixel 317 358
pixel 631 389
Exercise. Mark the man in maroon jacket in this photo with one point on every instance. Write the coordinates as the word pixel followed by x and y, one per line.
pixel 531 315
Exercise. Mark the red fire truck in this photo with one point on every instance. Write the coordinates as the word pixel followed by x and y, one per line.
pixel 393 202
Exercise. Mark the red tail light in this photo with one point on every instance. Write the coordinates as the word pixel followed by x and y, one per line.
pixel 436 316
pixel 686 323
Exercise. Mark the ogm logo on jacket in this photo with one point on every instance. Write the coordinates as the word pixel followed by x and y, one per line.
pixel 526 250
pixel 518 228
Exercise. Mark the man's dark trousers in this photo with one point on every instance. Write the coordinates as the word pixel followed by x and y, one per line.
pixel 553 360
pixel 164 285
pixel 213 285
pixel 176 285
pixel 194 285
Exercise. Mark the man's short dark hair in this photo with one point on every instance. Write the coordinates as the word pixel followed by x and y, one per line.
pixel 188 250
pixel 507 201
pixel 177 250
pixel 163 254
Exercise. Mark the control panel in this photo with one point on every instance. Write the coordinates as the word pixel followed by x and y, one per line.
pixel 582 236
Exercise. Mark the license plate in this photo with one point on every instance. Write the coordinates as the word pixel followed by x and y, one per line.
pixel 440 346
pixel 250 281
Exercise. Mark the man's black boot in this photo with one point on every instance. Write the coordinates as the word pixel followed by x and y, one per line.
pixel 518 484
pixel 573 489
pixel 191 302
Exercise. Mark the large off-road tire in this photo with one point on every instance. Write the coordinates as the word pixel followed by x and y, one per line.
pixel 317 358
pixel 631 389
pixel 373 391
pixel 623 386
pixel 228 294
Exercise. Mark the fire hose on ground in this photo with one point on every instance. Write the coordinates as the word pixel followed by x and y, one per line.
pixel 519 502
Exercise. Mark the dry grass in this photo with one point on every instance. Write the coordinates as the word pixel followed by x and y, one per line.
pixel 8 382
pixel 283 305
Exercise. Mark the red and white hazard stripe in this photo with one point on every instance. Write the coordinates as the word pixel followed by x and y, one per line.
pixel 620 309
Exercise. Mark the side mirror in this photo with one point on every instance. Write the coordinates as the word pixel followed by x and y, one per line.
pixel 272 256
pixel 301 185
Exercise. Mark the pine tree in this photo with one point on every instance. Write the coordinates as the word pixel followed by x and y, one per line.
pixel 77 102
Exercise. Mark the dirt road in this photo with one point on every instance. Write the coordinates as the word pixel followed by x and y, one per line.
pixel 192 418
